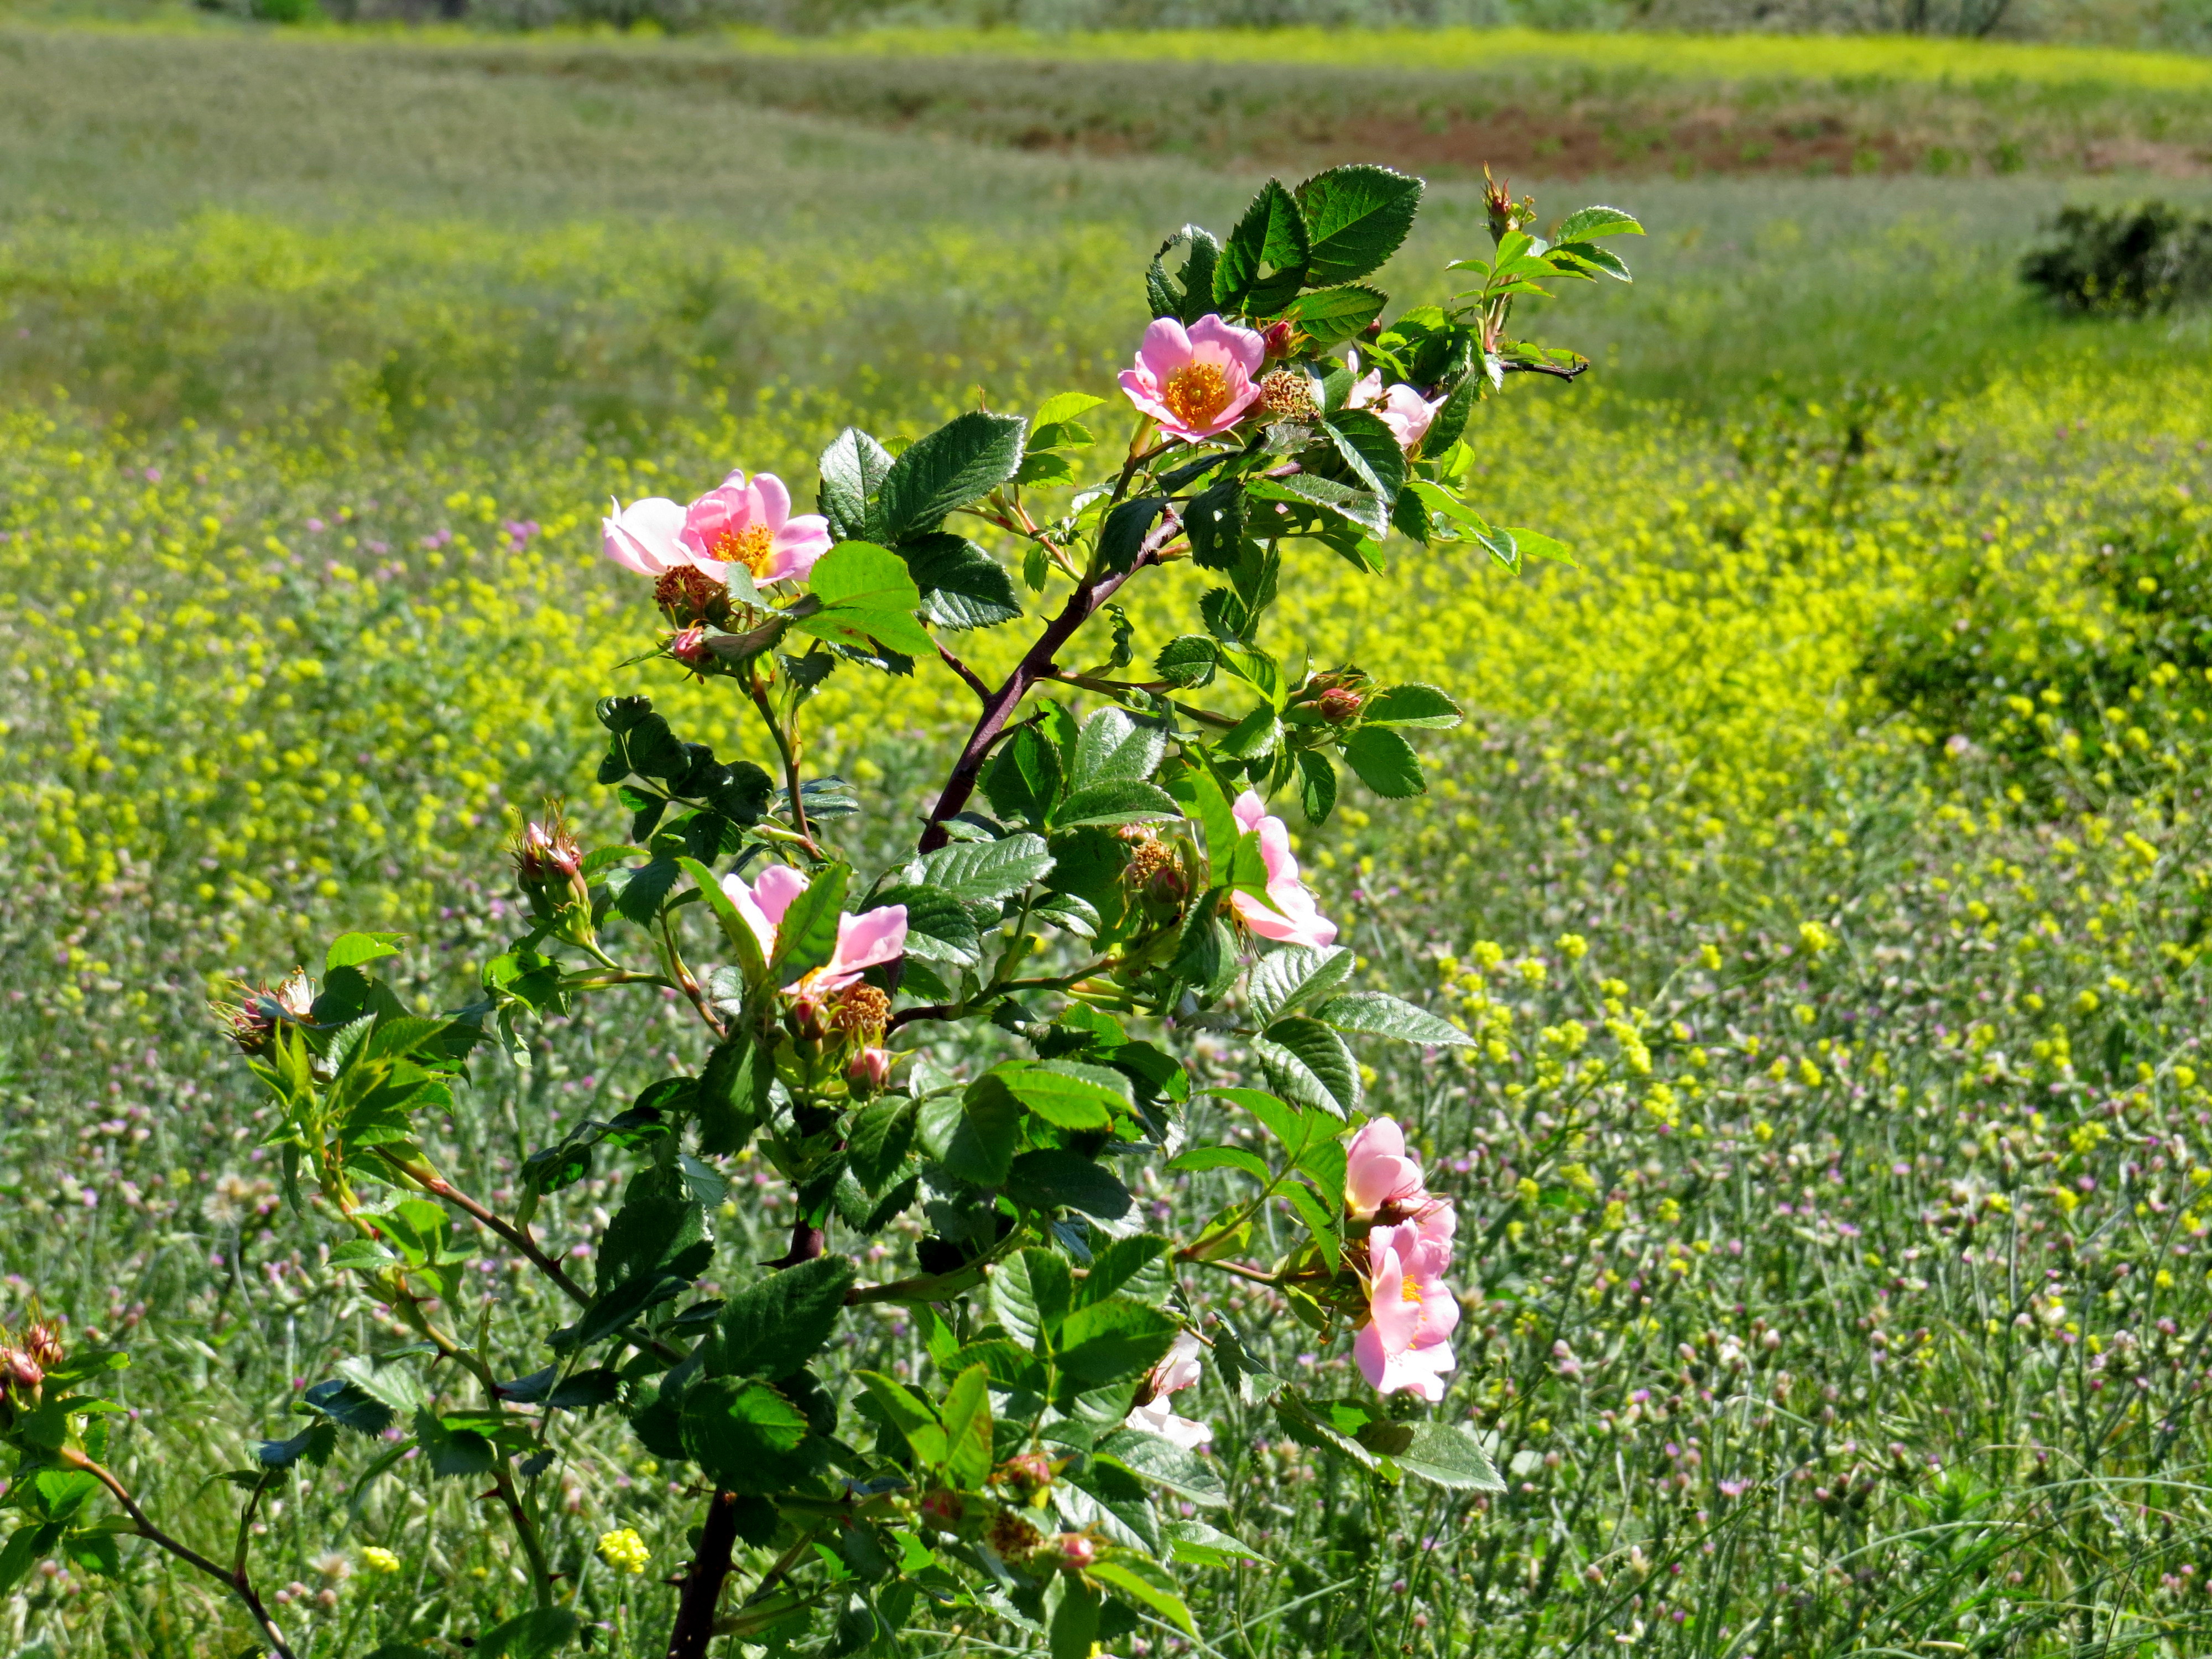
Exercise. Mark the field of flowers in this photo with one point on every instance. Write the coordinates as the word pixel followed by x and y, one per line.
pixel 1823 871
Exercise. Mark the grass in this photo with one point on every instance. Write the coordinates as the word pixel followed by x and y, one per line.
pixel 1825 872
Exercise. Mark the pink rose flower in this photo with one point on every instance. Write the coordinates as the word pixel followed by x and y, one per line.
pixel 1177 1371
pixel 863 941
pixel 1295 919
pixel 1408 414
pixel 1378 1172
pixel 642 537
pixel 1195 383
pixel 751 525
pixel 1411 1313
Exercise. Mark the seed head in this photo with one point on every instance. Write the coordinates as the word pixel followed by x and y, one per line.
pixel 1288 394
pixel 253 1019
pixel 690 596
pixel 861 1010
pixel 1012 1535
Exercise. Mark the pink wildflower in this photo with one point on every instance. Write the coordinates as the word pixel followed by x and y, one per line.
pixel 1378 1174
pixel 863 941
pixel 1294 919
pixel 1404 410
pixel 1177 1371
pixel 751 525
pixel 641 538
pixel 1406 1341
pixel 1198 382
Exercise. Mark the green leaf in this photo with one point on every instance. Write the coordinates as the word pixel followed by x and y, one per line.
pixel 1293 973
pixel 1023 780
pixel 1052 1178
pixel 1252 737
pixel 1584 223
pixel 1065 407
pixel 981 1146
pixel 866 594
pixel 351 950
pixel 1190 295
pixel 1125 802
pixel 1411 704
pixel 1135 1264
pixel 1066 1094
pixel 1224 1158
pixel 733 1095
pixel 1535 545
pixel 1030 1292
pixel 1385 763
pixel 1147 1584
pixel 1375 1014
pixel 806 938
pixel 907 1412
pixel 853 471
pixel 745 1434
pixel 364 1253
pixel 938 928
pixel 1115 748
pixel 1309 1427
pixel 1187 661
pixel 962 585
pixel 876 1143
pixel 1356 218
pixel 1359 508
pixel 1111 1340
pixel 968 1426
pixel 24 1548
pixel 1160 1460
pixel 1264 264
pixel 1370 448
pixel 1447 1455
pixel 1122 537
pixel 969 456
pixel 1195 1542
pixel 1336 314
pixel 1074 1630
pixel 772 1326
pixel 639 890
pixel 346 1403
pixel 988 871
pixel 1315 1067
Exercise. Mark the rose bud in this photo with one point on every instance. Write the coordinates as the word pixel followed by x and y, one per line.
pixel 1340 703
pixel 1074 1550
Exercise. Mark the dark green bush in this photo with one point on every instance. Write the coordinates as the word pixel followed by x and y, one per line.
pixel 2123 260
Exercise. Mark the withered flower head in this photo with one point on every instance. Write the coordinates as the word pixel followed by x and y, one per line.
pixel 860 1011
pixel 1012 1536
pixel 253 1019
pixel 545 855
pixel 690 596
pixel 1288 394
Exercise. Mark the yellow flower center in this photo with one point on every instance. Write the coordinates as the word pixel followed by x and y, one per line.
pixel 752 547
pixel 1195 393
pixel 1409 1291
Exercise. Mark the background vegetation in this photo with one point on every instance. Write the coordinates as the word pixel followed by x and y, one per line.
pixel 1825 872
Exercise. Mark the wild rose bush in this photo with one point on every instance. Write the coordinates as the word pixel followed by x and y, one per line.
pixel 999 1033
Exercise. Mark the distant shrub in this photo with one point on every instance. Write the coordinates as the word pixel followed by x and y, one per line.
pixel 2123 260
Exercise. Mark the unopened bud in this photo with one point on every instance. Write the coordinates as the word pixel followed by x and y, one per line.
pixel 1024 1471
pixel 943 1508
pixel 1278 338
pixel 1340 704
pixel 1074 1550
pixel 689 647
pixel 870 1069
pixel 20 1370
pixel 43 1343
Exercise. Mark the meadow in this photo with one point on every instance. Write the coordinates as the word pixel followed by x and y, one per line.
pixel 1823 873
